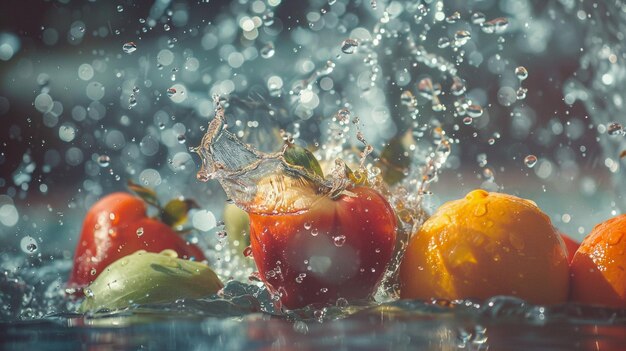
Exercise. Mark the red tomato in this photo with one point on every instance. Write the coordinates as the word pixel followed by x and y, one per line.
pixel 338 248
pixel 117 226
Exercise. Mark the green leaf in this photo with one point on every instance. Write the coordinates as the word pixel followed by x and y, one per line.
pixel 298 156
pixel 146 194
pixel 175 212
pixel 149 278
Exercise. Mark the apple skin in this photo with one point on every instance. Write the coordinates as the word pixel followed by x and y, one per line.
pixel 338 248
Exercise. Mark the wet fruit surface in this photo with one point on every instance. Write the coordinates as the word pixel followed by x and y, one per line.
pixel 339 248
pixel 598 271
pixel 484 245
pixel 117 226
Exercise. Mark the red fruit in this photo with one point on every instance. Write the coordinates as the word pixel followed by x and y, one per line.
pixel 117 226
pixel 571 245
pixel 338 248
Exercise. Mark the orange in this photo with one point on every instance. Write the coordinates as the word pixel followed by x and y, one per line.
pixel 484 245
pixel 598 271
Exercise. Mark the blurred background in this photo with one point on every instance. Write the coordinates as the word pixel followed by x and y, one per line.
pixel 96 93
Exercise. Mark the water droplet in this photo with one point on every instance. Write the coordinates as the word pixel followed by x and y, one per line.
pixel 315 232
pixel 425 88
pixel 339 240
pixel 181 139
pixel 132 102
pixel 349 46
pixel 300 278
pixel 93 271
pixel 521 93
pixel 28 244
pixel 521 73
pixel 474 111
pixel 139 231
pixel 307 225
pixel 614 129
pixel 171 92
pixel 247 252
pixel 478 18
pixel 166 27
pixel 461 37
pixel 497 26
pixel 458 86
pixel 443 42
pixel 480 210
pixel 120 8
pixel 530 161
pixel 407 99
pixel 615 237
pixel 467 120
pixel 104 161
pixel 268 50
pixel 129 47
pixel 488 174
pixel 453 17
pixel 319 314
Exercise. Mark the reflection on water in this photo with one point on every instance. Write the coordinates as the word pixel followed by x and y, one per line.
pixel 242 316
pixel 499 324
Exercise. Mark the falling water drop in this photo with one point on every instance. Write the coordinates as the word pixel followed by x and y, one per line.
pixel 349 46
pixel 530 161
pixel 453 18
pixel 268 50
pixel 129 47
pixel 478 18
pixel 171 92
pixel 521 73
pixel 339 240
pixel 474 111
pixel 458 86
pixel 615 129
pixel 104 161
pixel 443 42
pixel 28 244
pixel 497 26
pixel 461 37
